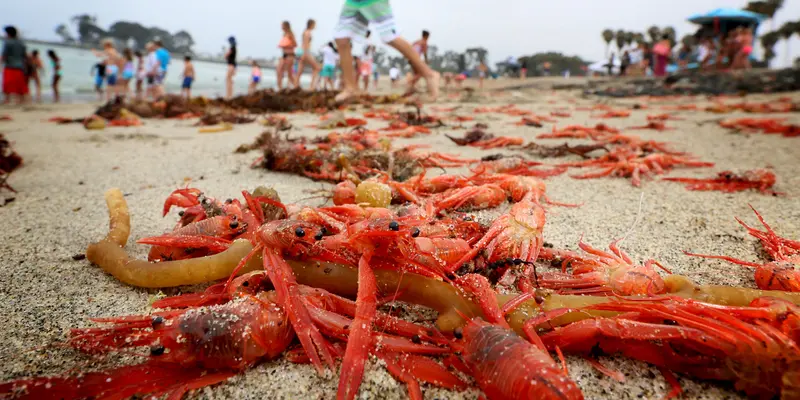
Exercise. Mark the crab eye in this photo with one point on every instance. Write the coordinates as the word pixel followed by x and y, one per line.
pixel 299 232
pixel 234 224
pixel 394 226
pixel 415 232
pixel 458 333
pixel 157 350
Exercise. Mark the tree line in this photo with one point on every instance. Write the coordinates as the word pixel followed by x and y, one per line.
pixel 90 34
pixel 785 31
pixel 181 42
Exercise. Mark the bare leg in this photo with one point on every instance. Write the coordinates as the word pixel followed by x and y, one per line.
pixel 349 84
pixel 366 83
pixel 281 64
pixel 289 67
pixel 300 66
pixel 229 82
pixel 431 76
pixel 316 68
pixel 38 85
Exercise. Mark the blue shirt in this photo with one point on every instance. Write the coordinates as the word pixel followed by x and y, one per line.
pixel 163 58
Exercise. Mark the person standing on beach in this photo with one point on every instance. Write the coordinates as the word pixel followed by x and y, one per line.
pixel 14 61
pixel 99 71
pixel 128 72
pixel 355 17
pixel 421 48
pixel 152 71
pixel 188 78
pixel 482 69
pixel 394 75
pixel 255 77
pixel 366 66
pixel 230 59
pixel 287 44
pixel 705 52
pixel 36 68
pixel 111 59
pixel 304 57
pixel 661 51
pixel 56 63
pixel 163 57
pixel 141 75
pixel 330 57
pixel 624 63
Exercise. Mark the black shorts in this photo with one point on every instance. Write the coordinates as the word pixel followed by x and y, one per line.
pixel 287 55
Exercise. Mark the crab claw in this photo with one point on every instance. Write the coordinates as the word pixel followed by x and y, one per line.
pixel 183 198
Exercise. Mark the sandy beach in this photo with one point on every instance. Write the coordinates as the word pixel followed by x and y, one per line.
pixel 60 209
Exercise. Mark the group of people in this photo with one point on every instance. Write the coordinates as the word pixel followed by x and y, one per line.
pixel 116 71
pixel 730 50
pixel 356 17
pixel 21 69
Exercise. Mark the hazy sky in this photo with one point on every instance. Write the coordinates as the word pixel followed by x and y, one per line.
pixel 504 27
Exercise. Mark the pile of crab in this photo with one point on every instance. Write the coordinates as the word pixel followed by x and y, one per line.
pixel 309 284
pixel 9 161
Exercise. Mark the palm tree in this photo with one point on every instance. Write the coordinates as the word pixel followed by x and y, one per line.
pixel 688 41
pixel 787 30
pixel 768 8
pixel 655 33
pixel 620 39
pixel 608 36
pixel 670 32
pixel 768 41
pixel 629 37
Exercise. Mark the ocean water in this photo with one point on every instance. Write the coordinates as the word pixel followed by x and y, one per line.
pixel 77 79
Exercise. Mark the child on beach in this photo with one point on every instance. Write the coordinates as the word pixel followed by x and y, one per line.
pixel 255 76
pixel 140 74
pixel 287 44
pixel 394 75
pixel 355 17
pixel 99 71
pixel 56 62
pixel 330 56
pixel 152 70
pixel 188 77
pixel 36 70
pixel 366 66
pixel 304 56
pixel 14 60
pixel 128 72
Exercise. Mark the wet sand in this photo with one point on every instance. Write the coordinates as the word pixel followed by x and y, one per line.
pixel 60 209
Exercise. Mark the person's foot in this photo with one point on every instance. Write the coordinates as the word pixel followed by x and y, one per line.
pixel 433 85
pixel 345 96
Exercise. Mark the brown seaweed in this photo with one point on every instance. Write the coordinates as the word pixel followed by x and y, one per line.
pixel 581 150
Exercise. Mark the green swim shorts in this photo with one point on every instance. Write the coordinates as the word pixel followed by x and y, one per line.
pixel 358 15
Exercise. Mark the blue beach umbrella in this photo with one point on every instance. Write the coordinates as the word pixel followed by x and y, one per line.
pixel 727 14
